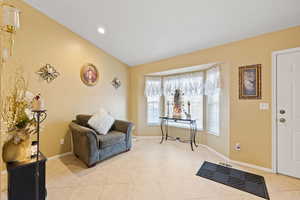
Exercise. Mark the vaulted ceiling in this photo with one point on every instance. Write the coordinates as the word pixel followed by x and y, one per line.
pixel 142 31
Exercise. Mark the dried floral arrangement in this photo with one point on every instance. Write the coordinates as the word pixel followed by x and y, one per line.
pixel 16 110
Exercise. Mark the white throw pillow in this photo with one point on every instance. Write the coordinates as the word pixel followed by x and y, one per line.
pixel 101 122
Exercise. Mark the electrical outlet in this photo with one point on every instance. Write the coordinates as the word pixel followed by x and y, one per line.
pixel 237 147
pixel 62 141
pixel 264 106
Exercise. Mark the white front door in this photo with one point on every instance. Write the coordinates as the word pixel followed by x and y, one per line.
pixel 288 113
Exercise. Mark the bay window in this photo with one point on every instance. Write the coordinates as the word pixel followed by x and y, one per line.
pixel 194 86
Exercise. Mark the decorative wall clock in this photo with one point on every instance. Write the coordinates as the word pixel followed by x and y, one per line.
pixel 48 73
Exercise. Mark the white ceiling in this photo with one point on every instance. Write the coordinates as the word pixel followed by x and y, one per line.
pixel 143 31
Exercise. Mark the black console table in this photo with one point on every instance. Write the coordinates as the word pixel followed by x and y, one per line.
pixel 193 129
pixel 22 179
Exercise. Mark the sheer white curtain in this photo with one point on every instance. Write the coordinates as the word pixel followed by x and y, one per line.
pixel 213 81
pixel 190 84
pixel 153 87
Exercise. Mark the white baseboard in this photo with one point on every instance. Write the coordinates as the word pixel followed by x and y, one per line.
pixel 60 155
pixel 147 137
pixel 237 162
pixel 252 166
pixel 215 152
pixel 50 158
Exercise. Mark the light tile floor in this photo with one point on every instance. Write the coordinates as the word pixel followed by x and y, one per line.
pixel 153 171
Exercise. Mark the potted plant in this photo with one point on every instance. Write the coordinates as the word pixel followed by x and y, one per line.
pixel 19 121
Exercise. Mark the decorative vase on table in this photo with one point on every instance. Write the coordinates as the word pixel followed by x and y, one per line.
pixel 178 104
pixel 17 149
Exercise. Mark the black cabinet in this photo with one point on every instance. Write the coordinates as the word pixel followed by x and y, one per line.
pixel 22 180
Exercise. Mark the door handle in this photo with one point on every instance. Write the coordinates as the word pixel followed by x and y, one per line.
pixel 282 120
pixel 282 111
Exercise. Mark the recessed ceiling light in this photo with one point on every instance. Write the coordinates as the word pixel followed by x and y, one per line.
pixel 101 30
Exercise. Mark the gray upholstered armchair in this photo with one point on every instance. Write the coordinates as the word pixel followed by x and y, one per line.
pixel 91 147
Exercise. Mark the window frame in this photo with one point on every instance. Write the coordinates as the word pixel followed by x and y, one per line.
pixel 147 112
pixel 212 132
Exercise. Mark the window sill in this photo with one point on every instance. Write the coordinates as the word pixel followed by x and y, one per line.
pixel 153 124
pixel 213 133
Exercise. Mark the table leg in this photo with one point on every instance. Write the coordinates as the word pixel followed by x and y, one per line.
pixel 191 136
pixel 167 129
pixel 195 133
pixel 162 131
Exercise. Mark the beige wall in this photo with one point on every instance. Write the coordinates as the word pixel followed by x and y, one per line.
pixel 249 126
pixel 42 40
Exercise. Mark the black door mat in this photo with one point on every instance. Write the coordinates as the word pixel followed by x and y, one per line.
pixel 251 183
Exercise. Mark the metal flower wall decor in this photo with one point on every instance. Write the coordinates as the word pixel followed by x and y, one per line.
pixel 48 73
pixel 116 83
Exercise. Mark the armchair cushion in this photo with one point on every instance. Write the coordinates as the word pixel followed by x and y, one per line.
pixel 111 138
pixel 101 122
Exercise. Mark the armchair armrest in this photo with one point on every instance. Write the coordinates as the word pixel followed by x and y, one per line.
pixel 85 143
pixel 123 126
pixel 126 128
